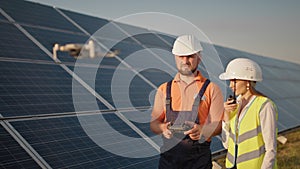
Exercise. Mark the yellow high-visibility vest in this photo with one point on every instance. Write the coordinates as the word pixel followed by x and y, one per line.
pixel 248 137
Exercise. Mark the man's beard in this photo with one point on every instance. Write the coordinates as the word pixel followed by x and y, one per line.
pixel 187 72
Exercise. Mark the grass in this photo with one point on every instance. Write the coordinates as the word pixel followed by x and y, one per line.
pixel 288 154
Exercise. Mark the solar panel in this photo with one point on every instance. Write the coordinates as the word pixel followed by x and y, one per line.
pixel 137 84
pixel 31 89
pixel 14 44
pixel 153 40
pixel 136 90
pixel 63 143
pixel 88 23
pixel 36 14
pixel 12 155
pixel 90 119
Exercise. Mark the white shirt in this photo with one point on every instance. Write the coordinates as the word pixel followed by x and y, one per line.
pixel 268 123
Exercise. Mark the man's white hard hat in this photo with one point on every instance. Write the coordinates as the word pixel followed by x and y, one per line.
pixel 243 69
pixel 186 45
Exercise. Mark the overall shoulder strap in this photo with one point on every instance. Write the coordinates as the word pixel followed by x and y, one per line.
pixel 200 94
pixel 198 98
pixel 203 88
pixel 168 96
pixel 169 85
pixel 169 116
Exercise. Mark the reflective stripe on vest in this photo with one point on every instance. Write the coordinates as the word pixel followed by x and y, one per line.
pixel 251 149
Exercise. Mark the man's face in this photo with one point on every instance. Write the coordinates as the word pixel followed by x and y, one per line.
pixel 187 65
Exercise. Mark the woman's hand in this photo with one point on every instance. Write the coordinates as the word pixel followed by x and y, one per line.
pixel 229 106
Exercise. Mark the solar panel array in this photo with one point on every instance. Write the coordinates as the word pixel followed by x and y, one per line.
pixel 43 125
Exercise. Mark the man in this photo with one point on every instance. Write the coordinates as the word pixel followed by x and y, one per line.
pixel 187 111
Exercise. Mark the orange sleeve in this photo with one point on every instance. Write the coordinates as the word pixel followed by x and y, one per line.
pixel 158 111
pixel 211 111
pixel 211 107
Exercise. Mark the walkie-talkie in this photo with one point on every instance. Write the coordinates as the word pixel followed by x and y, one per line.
pixel 234 96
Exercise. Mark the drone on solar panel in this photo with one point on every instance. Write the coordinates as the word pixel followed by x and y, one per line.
pixel 78 51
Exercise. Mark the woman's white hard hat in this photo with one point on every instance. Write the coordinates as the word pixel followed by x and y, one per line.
pixel 186 45
pixel 243 69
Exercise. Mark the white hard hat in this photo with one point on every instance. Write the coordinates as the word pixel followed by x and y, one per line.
pixel 186 45
pixel 243 69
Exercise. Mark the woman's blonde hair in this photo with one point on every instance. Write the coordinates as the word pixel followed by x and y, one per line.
pixel 252 89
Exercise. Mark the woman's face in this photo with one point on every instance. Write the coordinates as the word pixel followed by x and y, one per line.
pixel 240 86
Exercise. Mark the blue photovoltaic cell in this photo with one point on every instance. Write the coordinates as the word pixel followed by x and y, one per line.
pixel 144 127
pixel 29 89
pixel 267 61
pixel 127 49
pixel 129 30
pixel 153 40
pixel 36 14
pixel 224 54
pixel 290 106
pixel 89 23
pixel 64 144
pixel 216 145
pixel 286 118
pixel 101 82
pixel 113 32
pixel 2 18
pixel 156 76
pixel 14 44
pixel 137 91
pixel 169 39
pixel 148 39
pixel 270 92
pixel 12 155
pixel 140 91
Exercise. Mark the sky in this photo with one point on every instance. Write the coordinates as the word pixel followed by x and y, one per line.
pixel 269 28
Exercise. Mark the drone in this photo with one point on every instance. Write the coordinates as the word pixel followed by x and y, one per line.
pixel 78 50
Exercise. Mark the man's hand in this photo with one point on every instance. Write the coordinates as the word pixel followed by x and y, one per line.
pixel 194 133
pixel 166 132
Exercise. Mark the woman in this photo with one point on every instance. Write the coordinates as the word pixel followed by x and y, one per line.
pixel 250 122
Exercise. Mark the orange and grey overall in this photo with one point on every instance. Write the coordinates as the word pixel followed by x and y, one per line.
pixel 181 151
